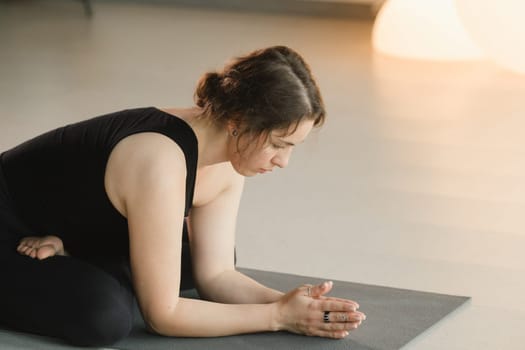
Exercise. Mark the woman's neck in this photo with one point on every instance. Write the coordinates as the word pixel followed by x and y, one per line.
pixel 213 141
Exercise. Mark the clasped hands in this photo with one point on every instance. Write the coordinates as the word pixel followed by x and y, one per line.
pixel 306 310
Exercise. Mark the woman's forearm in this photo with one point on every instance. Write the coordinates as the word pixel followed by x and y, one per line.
pixel 198 318
pixel 299 311
pixel 234 287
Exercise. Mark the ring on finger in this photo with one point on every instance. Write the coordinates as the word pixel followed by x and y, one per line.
pixel 326 317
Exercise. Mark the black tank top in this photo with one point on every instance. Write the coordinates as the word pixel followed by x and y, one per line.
pixel 56 180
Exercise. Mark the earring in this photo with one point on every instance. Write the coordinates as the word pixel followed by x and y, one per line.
pixel 234 133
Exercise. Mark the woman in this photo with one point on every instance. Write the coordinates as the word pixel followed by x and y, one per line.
pixel 115 192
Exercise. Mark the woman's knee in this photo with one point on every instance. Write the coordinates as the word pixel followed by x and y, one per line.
pixel 103 323
pixel 103 311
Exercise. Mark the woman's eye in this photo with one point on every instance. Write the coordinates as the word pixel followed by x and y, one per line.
pixel 277 146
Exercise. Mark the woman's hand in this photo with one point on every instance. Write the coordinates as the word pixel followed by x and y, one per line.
pixel 305 310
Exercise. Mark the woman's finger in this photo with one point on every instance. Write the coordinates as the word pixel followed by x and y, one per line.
pixel 329 334
pixel 334 305
pixel 347 301
pixel 338 326
pixel 342 317
pixel 306 289
pixel 321 289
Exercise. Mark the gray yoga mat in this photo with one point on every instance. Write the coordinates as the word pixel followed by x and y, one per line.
pixel 394 317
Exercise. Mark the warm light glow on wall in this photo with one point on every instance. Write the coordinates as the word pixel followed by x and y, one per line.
pixel 498 28
pixel 422 29
pixel 453 30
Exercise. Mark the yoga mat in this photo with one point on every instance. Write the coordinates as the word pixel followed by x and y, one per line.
pixel 394 317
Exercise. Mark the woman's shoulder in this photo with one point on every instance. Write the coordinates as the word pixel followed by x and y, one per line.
pixel 143 162
pixel 146 152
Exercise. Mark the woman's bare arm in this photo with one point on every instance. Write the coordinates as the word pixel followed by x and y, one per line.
pixel 212 239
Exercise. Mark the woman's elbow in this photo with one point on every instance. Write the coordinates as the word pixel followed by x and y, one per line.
pixel 160 319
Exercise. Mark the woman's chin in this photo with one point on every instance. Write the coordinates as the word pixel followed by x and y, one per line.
pixel 247 172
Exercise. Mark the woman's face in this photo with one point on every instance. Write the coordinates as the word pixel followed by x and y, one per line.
pixel 259 156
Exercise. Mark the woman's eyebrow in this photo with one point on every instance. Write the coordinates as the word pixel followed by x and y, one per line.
pixel 289 143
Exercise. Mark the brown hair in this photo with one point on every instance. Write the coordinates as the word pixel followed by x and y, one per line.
pixel 268 89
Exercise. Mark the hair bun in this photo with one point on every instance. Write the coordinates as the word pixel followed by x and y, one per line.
pixel 213 79
pixel 208 89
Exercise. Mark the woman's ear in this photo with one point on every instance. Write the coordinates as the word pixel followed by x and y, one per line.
pixel 233 129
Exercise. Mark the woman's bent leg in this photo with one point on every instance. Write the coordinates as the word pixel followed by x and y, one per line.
pixel 64 297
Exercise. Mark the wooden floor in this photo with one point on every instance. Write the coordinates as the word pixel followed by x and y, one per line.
pixel 416 181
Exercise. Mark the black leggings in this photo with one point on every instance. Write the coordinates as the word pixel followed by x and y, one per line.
pixel 84 302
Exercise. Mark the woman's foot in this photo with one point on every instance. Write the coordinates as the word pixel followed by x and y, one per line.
pixel 41 247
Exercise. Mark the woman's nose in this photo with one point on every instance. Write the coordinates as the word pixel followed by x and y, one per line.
pixel 282 159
